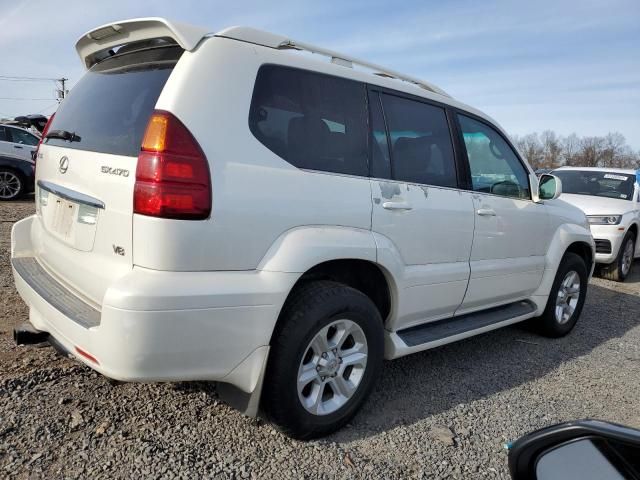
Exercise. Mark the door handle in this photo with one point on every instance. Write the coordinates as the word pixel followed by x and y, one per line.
pixel 17 146
pixel 396 206
pixel 486 212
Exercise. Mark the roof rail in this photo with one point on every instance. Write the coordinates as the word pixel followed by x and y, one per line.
pixel 279 42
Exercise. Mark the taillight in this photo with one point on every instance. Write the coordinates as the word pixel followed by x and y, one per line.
pixel 172 176
pixel 44 134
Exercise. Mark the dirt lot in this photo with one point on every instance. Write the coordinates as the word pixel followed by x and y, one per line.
pixel 445 413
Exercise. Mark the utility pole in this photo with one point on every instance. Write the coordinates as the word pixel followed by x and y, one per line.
pixel 62 92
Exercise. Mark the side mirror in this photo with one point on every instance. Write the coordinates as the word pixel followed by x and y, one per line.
pixel 549 187
pixel 582 450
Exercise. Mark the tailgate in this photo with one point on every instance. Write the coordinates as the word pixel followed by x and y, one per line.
pixel 86 170
pixel 83 236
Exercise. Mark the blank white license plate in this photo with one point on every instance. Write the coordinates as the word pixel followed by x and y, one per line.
pixel 64 216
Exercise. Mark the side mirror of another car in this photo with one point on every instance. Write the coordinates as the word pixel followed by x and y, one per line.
pixel 581 450
pixel 549 187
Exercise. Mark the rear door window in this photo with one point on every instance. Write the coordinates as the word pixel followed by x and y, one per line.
pixel 110 106
pixel 311 120
pixel 421 145
pixel 3 134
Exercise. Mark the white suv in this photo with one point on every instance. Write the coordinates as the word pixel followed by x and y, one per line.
pixel 611 199
pixel 248 209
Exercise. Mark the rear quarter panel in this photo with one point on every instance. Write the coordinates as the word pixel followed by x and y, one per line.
pixel 256 195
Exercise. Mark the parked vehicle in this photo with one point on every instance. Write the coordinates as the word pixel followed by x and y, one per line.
pixel 17 142
pixel 611 199
pixel 36 122
pixel 246 213
pixel 578 450
pixel 16 177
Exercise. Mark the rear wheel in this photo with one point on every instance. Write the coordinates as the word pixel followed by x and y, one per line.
pixel 621 267
pixel 566 298
pixel 325 357
pixel 11 185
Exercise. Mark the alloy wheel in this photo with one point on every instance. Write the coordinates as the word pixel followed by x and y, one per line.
pixel 568 297
pixel 332 367
pixel 10 185
pixel 627 257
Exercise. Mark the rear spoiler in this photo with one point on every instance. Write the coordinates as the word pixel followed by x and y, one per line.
pixel 93 45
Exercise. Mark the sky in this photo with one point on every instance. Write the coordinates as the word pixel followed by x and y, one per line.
pixel 568 66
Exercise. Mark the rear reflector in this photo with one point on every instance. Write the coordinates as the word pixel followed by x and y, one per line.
pixel 172 176
pixel 86 355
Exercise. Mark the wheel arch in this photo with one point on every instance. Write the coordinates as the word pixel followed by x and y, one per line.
pixel 583 250
pixel 366 276
pixel 567 238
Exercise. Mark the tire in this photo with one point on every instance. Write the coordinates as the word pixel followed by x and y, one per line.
pixel 551 323
pixel 12 185
pixel 619 270
pixel 314 312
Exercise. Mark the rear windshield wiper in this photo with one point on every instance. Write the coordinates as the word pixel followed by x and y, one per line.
pixel 64 135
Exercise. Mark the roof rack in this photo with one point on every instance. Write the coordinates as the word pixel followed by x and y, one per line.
pixel 259 37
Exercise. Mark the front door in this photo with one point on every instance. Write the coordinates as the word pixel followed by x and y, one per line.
pixel 423 222
pixel 511 231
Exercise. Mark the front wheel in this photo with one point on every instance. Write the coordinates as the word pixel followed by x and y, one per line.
pixel 566 298
pixel 619 270
pixel 325 357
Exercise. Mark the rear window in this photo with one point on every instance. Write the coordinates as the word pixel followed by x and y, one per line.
pixel 311 120
pixel 110 106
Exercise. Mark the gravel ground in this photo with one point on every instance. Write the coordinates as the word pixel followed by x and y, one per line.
pixel 445 413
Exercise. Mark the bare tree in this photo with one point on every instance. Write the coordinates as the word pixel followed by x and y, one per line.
pixel 570 148
pixel 551 149
pixel 548 150
pixel 531 148
pixel 614 148
pixel 591 151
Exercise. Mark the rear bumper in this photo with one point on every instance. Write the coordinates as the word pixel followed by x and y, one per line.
pixel 163 326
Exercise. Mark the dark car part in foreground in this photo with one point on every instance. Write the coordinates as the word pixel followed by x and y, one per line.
pixel 582 450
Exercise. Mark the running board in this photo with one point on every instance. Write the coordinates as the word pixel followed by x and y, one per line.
pixel 449 327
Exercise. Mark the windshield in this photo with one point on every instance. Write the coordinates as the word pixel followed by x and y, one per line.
pixel 109 108
pixel 597 183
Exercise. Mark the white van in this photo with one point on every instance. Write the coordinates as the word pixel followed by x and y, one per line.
pixel 244 208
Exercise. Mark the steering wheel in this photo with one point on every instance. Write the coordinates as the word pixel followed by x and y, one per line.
pixel 509 189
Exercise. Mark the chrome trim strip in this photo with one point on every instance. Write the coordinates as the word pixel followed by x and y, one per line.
pixel 71 195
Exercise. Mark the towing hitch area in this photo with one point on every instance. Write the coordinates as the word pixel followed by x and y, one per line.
pixel 27 335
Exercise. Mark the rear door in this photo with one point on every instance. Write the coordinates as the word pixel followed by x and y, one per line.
pixel 86 169
pixel 418 206
pixel 6 144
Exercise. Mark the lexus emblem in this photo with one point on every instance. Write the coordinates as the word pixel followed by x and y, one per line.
pixel 63 166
